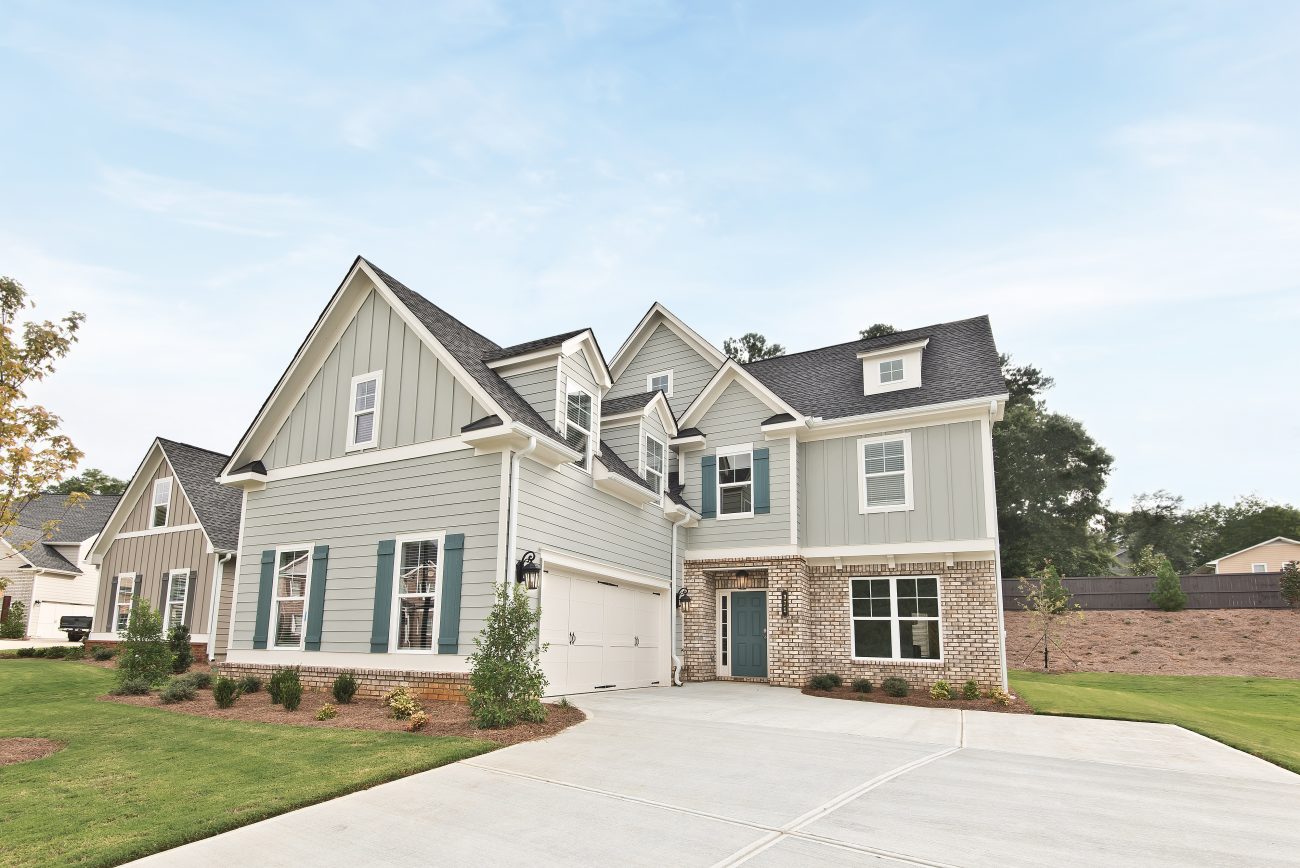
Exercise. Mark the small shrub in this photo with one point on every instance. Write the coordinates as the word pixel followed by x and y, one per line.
pixel 563 703
pixel 291 694
pixel 76 652
pixel 401 703
pixel 15 623
pixel 345 687
pixel 26 652
pixel 178 640
pixel 200 680
pixel 279 678
pixel 39 652
pixel 1168 593
pixel 56 652
pixel 861 685
pixel 132 687
pixel 1288 583
pixel 971 689
pixel 177 690
pixel 250 684
pixel 102 653
pixel 822 682
pixel 1000 696
pixel 327 712
pixel 895 686
pixel 225 691
pixel 418 721
pixel 940 690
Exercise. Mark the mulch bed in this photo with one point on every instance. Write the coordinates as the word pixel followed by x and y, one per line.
pixel 22 750
pixel 923 700
pixel 445 718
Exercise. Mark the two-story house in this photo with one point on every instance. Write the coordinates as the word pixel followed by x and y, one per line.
pixel 405 466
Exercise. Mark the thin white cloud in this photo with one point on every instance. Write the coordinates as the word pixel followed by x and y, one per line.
pixel 263 215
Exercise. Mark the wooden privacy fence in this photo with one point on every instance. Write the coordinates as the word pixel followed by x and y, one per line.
pixel 1217 591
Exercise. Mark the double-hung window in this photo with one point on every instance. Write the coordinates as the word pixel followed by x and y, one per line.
pixel 162 502
pixel 891 371
pixel 896 618
pixel 654 463
pixel 363 420
pixel 416 591
pixel 660 382
pixel 122 605
pixel 578 422
pixel 178 593
pixel 885 473
pixel 290 596
pixel 736 482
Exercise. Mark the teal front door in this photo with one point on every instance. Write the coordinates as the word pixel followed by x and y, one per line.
pixel 749 634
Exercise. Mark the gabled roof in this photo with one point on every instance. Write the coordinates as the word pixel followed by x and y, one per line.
pixel 960 363
pixel 626 404
pixel 38 546
pixel 217 506
pixel 1276 539
pixel 653 317
pixel 732 372
pixel 641 404
pixel 553 342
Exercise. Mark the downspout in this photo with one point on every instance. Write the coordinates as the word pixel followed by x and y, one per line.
pixel 217 579
pixel 512 507
pixel 997 553
pixel 673 585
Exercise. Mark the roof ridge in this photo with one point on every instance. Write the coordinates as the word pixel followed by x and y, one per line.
pixel 192 446
pixel 388 277
pixel 894 335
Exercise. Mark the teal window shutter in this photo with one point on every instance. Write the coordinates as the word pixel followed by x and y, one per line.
pixel 453 567
pixel 379 624
pixel 709 486
pixel 320 557
pixel 762 483
pixel 265 586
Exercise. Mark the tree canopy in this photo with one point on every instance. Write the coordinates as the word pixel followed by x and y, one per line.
pixel 877 330
pixel 751 347
pixel 91 481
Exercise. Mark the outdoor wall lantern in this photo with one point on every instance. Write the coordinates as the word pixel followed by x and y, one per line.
pixel 785 604
pixel 742 575
pixel 528 572
pixel 683 600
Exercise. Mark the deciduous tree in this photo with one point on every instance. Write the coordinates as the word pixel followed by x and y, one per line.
pixel 751 347
pixel 91 481
pixel 877 330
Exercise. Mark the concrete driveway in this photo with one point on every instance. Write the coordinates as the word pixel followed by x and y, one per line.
pixel 724 774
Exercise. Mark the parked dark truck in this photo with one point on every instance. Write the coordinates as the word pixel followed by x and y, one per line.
pixel 76 626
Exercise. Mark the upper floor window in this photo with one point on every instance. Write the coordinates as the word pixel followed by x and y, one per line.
pixel 578 416
pixel 416 589
pixel 162 502
pixel 660 382
pixel 736 482
pixel 290 596
pixel 891 371
pixel 885 473
pixel 654 463
pixel 363 424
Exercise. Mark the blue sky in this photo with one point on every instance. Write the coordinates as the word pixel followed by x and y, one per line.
pixel 1116 185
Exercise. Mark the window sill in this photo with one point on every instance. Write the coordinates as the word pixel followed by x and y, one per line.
pixel 906 661
pixel 902 507
pixel 734 515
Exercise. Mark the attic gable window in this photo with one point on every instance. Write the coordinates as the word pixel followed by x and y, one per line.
pixel 578 417
pixel 661 382
pixel 891 371
pixel 363 424
pixel 162 502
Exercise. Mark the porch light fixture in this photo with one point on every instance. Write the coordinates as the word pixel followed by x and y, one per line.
pixel 683 600
pixel 742 575
pixel 528 572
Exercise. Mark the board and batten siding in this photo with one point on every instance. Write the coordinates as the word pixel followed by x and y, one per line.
pixel 351 511
pixel 539 388
pixel 421 399
pixel 734 419
pixel 665 351
pixel 179 513
pixel 150 556
pixel 227 596
pixel 947 490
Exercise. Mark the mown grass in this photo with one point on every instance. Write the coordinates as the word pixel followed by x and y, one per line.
pixel 133 781
pixel 1257 715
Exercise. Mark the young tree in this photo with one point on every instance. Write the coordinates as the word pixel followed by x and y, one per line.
pixel 878 330
pixel 506 680
pixel 1289 583
pixel 1148 562
pixel 91 481
pixel 178 643
pixel 1168 593
pixel 1048 601
pixel 14 626
pixel 144 654
pixel 751 347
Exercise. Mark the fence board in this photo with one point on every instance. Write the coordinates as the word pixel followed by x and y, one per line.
pixel 1214 591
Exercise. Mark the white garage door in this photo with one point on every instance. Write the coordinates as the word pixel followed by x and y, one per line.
pixel 45 621
pixel 601 635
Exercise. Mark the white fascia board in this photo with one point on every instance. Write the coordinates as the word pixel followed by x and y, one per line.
pixel 586 342
pixel 515 435
pixel 658 404
pixel 674 511
pixel 688 444
pixel 134 490
pixel 895 349
pixel 535 360
pixel 1276 539
pixel 971 409
pixel 619 486
pixel 729 373
pixel 639 335
pixel 983 547
pixel 782 430
pixel 246 481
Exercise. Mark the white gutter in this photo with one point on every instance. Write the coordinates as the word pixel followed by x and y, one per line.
pixel 512 506
pixel 672 603
pixel 216 601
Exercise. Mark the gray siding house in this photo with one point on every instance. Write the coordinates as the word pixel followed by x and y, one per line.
pixel 826 511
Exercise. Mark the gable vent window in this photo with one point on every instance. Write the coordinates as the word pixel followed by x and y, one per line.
pixel 577 422
pixel 885 473
pixel 162 502
pixel 891 371
pixel 363 429
pixel 661 382
pixel 654 463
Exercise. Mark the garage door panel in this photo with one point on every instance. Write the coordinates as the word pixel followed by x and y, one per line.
pixel 555 611
pixel 585 667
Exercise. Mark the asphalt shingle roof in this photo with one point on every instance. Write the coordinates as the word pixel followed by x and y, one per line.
pixel 613 406
pixel 959 363
pixel 217 506
pixel 75 525
pixel 614 464
pixel 32 546
pixel 530 346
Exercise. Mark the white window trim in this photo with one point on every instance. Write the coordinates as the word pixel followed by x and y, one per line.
pixel 645 458
pixel 353 412
pixel 723 669
pixel 894 620
pixel 395 610
pixel 909 502
pixel 117 631
pixel 743 449
pixel 570 386
pixel 902 371
pixel 650 378
pixel 185 601
pixel 154 504
pixel 275 599
pixel 1264 568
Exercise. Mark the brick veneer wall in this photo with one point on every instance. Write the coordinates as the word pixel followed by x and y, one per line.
pixel 371 683
pixel 816 636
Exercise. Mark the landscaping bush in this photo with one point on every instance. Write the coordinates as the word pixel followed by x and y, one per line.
pixel 1168 593
pixel 291 693
pixel 177 690
pixel 824 681
pixel 54 652
pixel 506 681
pixel 1289 583
pixel 132 687
pixel 200 680
pixel 279 678
pixel 1000 696
pixel 75 652
pixel 102 653
pixel 225 691
pixel 418 721
pixel 250 684
pixel 15 623
pixel 143 653
pixel 940 690
pixel 861 685
pixel 895 686
pixel 327 712
pixel 178 640
pixel 401 703
pixel 26 652
pixel 345 687
pixel 971 689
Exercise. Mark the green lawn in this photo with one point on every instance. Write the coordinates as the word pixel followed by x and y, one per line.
pixel 1258 715
pixel 133 781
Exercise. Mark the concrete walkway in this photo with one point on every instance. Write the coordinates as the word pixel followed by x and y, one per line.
pixel 724 774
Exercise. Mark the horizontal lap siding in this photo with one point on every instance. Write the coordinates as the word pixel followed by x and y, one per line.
pixel 625 441
pixel 150 556
pixel 734 419
pixel 539 389
pixel 664 351
pixel 947 489
pixel 350 511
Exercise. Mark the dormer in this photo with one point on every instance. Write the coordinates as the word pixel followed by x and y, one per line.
pixel 893 368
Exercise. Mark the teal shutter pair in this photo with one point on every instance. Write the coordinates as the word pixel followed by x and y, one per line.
pixel 762 477
pixel 453 568
pixel 320 556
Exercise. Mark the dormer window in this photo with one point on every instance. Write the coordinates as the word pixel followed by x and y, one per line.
pixel 363 425
pixel 892 368
pixel 891 371
pixel 654 463
pixel 578 421
pixel 660 382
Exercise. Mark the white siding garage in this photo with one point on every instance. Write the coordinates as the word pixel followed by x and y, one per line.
pixel 603 634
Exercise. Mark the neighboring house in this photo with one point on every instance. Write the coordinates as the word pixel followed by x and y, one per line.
pixel 171 540
pixel 405 466
pixel 1266 557
pixel 45 558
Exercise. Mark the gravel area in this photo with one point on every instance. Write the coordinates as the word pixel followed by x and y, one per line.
pixel 1258 642
pixel 22 750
